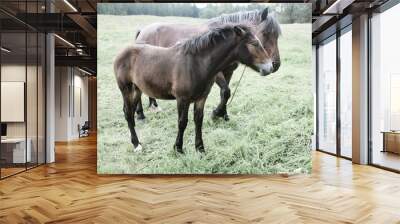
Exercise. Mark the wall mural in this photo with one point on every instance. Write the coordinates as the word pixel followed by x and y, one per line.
pixel 204 88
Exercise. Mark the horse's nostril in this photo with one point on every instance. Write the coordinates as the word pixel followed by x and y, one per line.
pixel 276 65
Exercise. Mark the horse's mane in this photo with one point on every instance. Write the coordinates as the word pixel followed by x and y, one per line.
pixel 252 17
pixel 271 26
pixel 210 38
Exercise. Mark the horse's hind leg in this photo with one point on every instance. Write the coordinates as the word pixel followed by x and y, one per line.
pixel 139 111
pixel 131 95
pixel 183 108
pixel 153 103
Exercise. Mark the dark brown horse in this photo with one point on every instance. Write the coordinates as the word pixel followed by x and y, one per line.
pixel 185 72
pixel 266 29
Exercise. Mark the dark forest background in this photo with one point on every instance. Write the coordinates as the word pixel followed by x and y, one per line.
pixel 286 13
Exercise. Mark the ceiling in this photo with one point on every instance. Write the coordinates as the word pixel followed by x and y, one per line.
pixel 73 21
pixel 331 15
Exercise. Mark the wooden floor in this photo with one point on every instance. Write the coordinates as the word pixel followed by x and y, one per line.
pixel 70 191
pixel 11 170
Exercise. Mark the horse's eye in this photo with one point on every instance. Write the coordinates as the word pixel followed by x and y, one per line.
pixel 255 44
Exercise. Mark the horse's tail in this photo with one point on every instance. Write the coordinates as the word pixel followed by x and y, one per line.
pixel 137 34
pixel 121 72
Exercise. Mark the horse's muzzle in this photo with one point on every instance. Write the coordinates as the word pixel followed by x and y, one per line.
pixel 264 72
pixel 265 69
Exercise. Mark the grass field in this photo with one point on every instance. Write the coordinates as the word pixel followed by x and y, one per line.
pixel 271 117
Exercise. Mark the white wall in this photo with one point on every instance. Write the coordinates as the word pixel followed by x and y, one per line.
pixel 70 83
pixel 12 73
pixel 9 73
pixel 79 117
pixel 62 81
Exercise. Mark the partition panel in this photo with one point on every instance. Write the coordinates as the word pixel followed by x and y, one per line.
pixel 15 151
pixel 23 89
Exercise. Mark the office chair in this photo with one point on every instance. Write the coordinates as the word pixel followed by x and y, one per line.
pixel 84 130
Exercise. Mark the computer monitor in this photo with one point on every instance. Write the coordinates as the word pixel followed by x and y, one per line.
pixel 3 129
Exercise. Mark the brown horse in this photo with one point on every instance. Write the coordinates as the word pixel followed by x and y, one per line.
pixel 266 29
pixel 185 72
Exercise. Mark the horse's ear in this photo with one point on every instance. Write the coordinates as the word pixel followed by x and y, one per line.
pixel 264 14
pixel 239 31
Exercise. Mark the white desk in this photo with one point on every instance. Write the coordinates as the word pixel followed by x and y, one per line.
pixel 18 149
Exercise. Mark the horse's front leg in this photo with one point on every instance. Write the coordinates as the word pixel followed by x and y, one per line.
pixel 183 108
pixel 198 120
pixel 222 80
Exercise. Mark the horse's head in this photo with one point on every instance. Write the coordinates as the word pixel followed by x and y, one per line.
pixel 268 32
pixel 252 53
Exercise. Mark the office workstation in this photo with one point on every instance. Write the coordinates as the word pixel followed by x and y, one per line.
pixel 16 149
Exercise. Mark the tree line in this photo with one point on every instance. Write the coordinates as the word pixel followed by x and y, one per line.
pixel 286 13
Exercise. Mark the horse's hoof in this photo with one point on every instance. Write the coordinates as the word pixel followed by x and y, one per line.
pixel 214 115
pixel 140 117
pixel 178 149
pixel 200 149
pixel 218 114
pixel 155 109
pixel 226 117
pixel 138 148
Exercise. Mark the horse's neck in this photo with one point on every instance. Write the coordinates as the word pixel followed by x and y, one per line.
pixel 221 57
